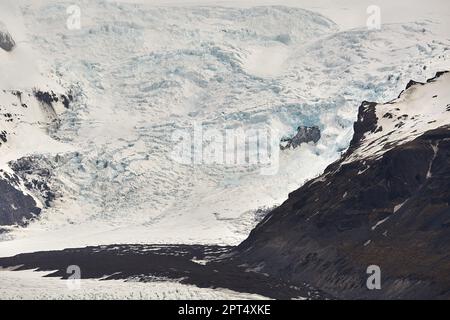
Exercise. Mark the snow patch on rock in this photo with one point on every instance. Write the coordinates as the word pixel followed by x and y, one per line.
pixel 417 110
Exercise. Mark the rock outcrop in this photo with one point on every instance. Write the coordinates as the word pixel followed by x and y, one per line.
pixel 16 207
pixel 304 135
pixel 7 43
pixel 386 202
pixel 25 118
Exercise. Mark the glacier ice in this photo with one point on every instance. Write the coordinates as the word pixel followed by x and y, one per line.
pixel 140 72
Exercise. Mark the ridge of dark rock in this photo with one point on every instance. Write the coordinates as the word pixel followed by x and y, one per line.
pixel 393 212
pixel 7 43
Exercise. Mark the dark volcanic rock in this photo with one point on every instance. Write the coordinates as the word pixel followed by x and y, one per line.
pixel 390 210
pixel 16 208
pixel 6 41
pixel 36 177
pixel 303 135
pixel 323 237
pixel 46 97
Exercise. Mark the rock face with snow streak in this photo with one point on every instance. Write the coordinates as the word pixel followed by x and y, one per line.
pixel 25 121
pixel 7 43
pixel 304 135
pixel 385 203
pixel 16 207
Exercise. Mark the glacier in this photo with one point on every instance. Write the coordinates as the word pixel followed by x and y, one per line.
pixel 140 71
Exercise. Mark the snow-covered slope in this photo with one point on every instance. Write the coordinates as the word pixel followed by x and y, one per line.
pixel 7 43
pixel 27 113
pixel 418 110
pixel 25 118
pixel 139 72
pixel 386 206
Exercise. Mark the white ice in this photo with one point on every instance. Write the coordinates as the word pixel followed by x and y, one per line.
pixel 141 71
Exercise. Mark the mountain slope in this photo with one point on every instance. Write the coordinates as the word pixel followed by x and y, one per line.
pixel 100 171
pixel 7 43
pixel 140 73
pixel 25 119
pixel 385 202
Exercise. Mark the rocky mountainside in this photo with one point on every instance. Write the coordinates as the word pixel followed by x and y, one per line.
pixel 7 43
pixel 384 203
pixel 90 120
pixel 26 118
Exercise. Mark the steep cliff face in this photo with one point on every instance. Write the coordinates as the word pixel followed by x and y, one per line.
pixel 385 203
pixel 26 118
pixel 16 207
pixel 7 43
